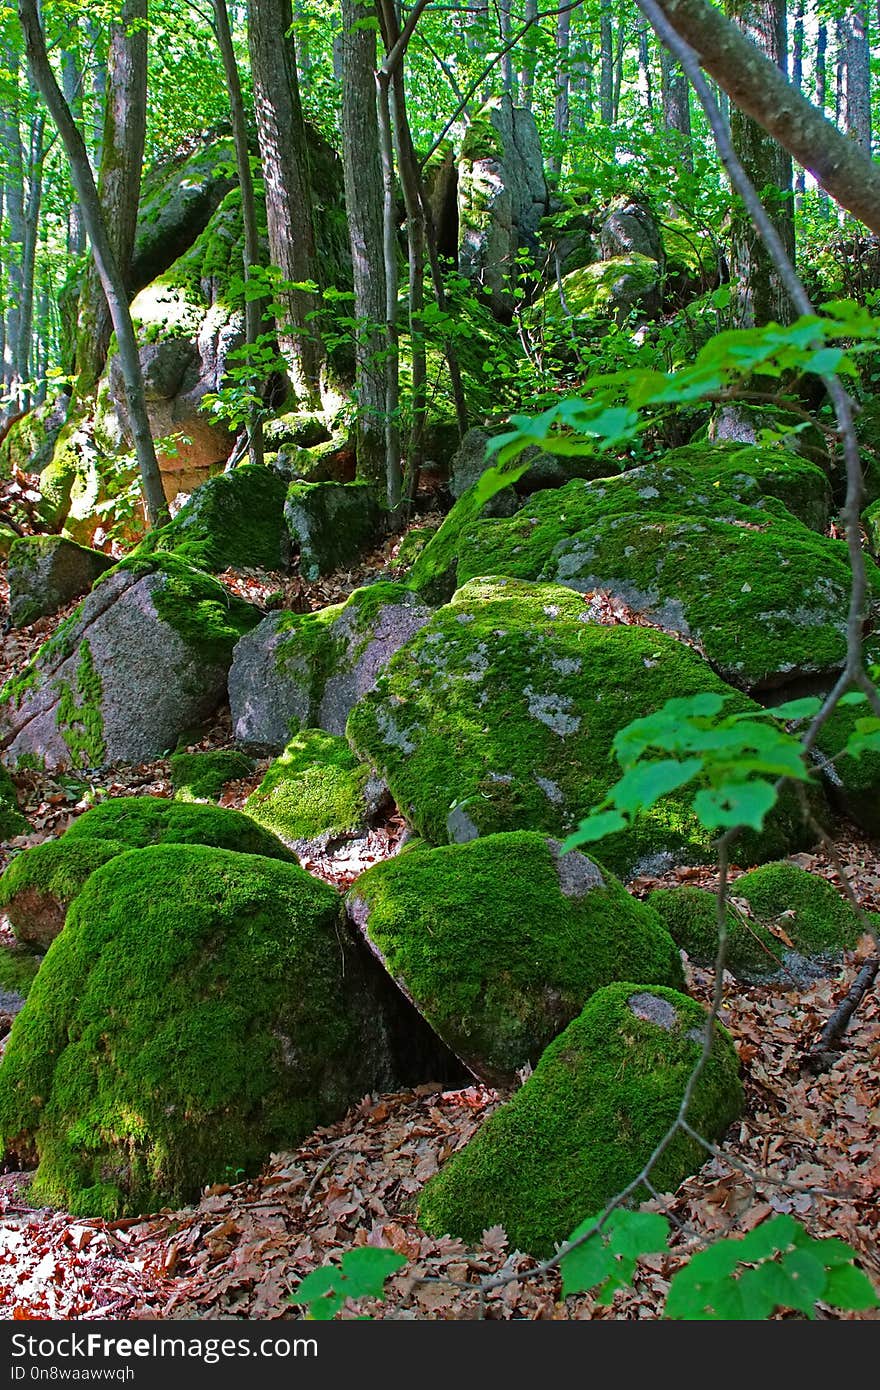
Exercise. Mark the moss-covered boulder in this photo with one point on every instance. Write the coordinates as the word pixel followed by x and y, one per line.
pixel 584 1124
pixel 40 884
pixel 78 478
pixel 748 474
pixel 202 776
pixel 545 470
pixel 331 524
pixel 46 572
pixel 306 670
pixel 611 289
pixel 179 195
pixel 315 793
pixel 12 822
pixel 499 943
pixel 781 923
pixel 143 659
pixel 200 1009
pixel 18 967
pixel 139 821
pixel 852 784
pixel 433 575
pixel 28 443
pixel 500 715
pixel 234 520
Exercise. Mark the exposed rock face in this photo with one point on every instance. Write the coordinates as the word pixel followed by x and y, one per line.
pixel 470 462
pixel 499 943
pixel 630 227
pixel 29 441
pixel 331 524
pixel 502 196
pixel 46 572
pixel 234 520
pixel 178 199
pixel 184 351
pixel 297 671
pixel 142 659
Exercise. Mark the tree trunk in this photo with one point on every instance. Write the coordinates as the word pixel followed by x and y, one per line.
pixel 506 56
pixel 760 296
pixel 561 105
pixel 527 71
pixel 797 77
pixel 112 279
pixel 606 64
pixel 676 93
pixel 10 136
pixel 393 477
pixel 758 88
pixel 363 206
pixel 282 137
pixel 253 316
pixel 856 113
pixel 25 367
pixel 119 181
pixel 646 86
pixel 72 87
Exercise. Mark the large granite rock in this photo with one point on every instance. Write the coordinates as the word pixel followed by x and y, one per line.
pixel 144 658
pixel 307 670
pixel 46 572
pixel 331 524
pixel 502 196
pixel 501 713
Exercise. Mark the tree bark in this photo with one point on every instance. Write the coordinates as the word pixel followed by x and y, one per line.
pixel 676 94
pixel 112 279
pixel 756 85
pixel 856 112
pixel 10 136
pixel 363 205
pixel 282 138
pixel 253 315
pixel 527 71
pixel 760 295
pixel 606 64
pixel 119 181
pixel 561 103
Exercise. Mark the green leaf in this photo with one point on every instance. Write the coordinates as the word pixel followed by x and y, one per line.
pixel 743 803
pixel 595 827
pixel 797 709
pixel 807 1278
pixel 366 1268
pixel 847 1287
pixel 642 785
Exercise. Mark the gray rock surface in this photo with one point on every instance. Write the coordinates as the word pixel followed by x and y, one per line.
pixel 331 524
pixel 46 572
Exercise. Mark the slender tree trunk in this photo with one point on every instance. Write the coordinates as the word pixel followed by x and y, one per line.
pixel 561 104
pixel 10 134
pixel 760 295
pixel 393 476
pixel 856 112
pixel 821 83
pixel 364 213
pixel 527 71
pixel 646 85
pixel 119 180
pixel 583 80
pixel 98 50
pixel 620 44
pixel 36 156
pixel 253 315
pixel 112 279
pixel 506 57
pixel 282 137
pixel 606 64
pixel 72 87
pixel 676 93
pixel 797 77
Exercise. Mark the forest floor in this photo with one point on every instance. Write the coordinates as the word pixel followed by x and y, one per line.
pixel 806 1144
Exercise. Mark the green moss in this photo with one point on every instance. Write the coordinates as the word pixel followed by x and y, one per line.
pixel 691 918
pixel 233 520
pixel 188 1020
pixel 746 474
pixel 496 954
pixel 40 884
pixel 12 822
pixel 413 543
pixel 433 576
pixel 138 821
pixel 315 790
pixel 806 907
pixel 606 287
pixel 79 718
pixel 331 524
pixel 202 776
pixel 17 970
pixel 854 783
pixel 500 715
pixel 765 597
pixel 204 614
pixel 602 1096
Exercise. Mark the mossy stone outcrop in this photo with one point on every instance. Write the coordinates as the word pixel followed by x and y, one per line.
pixel 748 474
pixel 470 461
pixel 140 821
pixel 852 784
pixel 499 943
pixel 202 776
pixel 234 520
pixel 306 670
pixel 143 659
pixel 12 822
pixel 434 574
pixel 782 922
pixel 500 715
pixel 28 443
pixel 46 572
pixel 200 1009
pixel 585 1122
pixel 178 199
pixel 315 793
pixel 611 289
pixel 40 884
pixel 331 524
